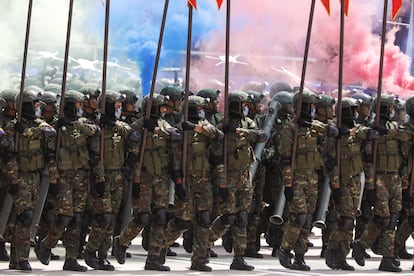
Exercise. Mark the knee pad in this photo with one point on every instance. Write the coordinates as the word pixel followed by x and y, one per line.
pixel 104 220
pixel 227 219
pixel 62 220
pixel 180 224
pixel 141 219
pixel 25 217
pixel 346 223
pixel 393 221
pixel 160 217
pixel 242 219
pixel 76 220
pixel 410 221
pixel 299 220
pixel 203 219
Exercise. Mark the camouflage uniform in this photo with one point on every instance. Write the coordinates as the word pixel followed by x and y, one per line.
pixel 32 156
pixel 242 133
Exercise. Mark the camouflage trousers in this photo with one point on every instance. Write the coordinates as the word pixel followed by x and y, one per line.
pixel 388 202
pixel 303 205
pixel 153 197
pixel 24 200
pixel 341 238
pixel 198 204
pixel 104 208
pixel 71 200
pixel 239 201
pixel 406 228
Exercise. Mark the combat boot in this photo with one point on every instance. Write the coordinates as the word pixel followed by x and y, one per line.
pixel 402 254
pixel 42 253
pixel 119 251
pixel 4 256
pixel 54 257
pixel 299 263
pixel 227 242
pixel 170 253
pixel 153 263
pixel 73 265
pixel 341 263
pixel 200 266
pixel 284 257
pixel 90 259
pixel 240 264
pixel 358 252
pixel 104 264
pixel 24 265
pixel 387 264
pixel 188 241
pixel 330 258
pixel 252 253
pixel 212 253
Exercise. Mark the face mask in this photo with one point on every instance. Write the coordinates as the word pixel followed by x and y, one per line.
pixel 38 112
pixel 392 113
pixel 313 112
pixel 201 114
pixel 118 113
pixel 245 110
pixel 79 112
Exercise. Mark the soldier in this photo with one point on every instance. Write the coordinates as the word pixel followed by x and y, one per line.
pixel 385 196
pixel 301 184
pixel 31 158
pixel 236 193
pixel 106 195
pixel 274 184
pixel 72 187
pixel 351 136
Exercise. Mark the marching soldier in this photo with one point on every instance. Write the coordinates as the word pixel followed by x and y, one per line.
pixel 31 158
pixel 386 194
pixel 106 193
pixel 236 193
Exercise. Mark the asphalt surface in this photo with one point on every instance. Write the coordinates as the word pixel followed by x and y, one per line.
pixel 180 264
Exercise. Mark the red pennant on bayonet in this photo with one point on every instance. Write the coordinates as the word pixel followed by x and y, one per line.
pixel 326 4
pixel 396 6
pixel 346 7
pixel 192 3
pixel 219 2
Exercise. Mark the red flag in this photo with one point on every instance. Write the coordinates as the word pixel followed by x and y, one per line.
pixel 192 3
pixel 396 6
pixel 326 3
pixel 219 2
pixel 346 7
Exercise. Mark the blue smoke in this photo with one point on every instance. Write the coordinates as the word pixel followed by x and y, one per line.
pixel 135 26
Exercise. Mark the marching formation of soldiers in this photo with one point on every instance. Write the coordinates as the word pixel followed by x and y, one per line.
pixel 115 170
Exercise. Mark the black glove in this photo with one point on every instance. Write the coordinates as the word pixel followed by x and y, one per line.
pixel 382 130
pixel 330 163
pixel 53 189
pixel 229 128
pixel 289 194
pixel 180 191
pixel 107 121
pixel 303 123
pixel 63 122
pixel 13 189
pixel 343 131
pixel 187 125
pixel 370 197
pixel 150 124
pixel 19 127
pixel 100 188
pixel 224 193
pixel 336 194
pixel 406 197
pixel 136 189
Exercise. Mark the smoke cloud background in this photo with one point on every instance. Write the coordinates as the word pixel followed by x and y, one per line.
pixel 264 35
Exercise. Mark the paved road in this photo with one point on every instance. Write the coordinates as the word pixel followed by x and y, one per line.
pixel 180 264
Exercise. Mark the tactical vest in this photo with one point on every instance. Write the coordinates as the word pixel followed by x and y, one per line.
pixel 30 154
pixel 388 155
pixel 156 157
pixel 307 154
pixel 197 153
pixel 73 153
pixel 239 152
pixel 114 150
pixel 351 161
